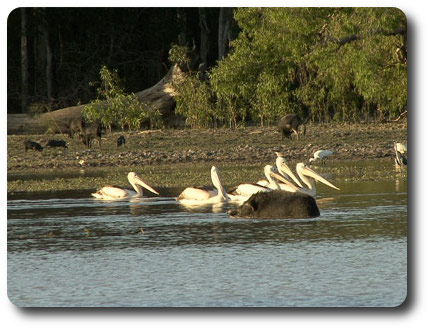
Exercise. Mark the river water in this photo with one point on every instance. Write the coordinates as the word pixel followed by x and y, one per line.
pixel 71 250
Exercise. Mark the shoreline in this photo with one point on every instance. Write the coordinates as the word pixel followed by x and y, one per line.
pixel 173 158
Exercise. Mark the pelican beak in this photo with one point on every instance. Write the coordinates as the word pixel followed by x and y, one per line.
pixel 282 179
pixel 142 183
pixel 309 172
pixel 285 168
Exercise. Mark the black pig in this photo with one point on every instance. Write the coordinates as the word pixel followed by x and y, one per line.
pixel 56 143
pixel 277 204
pixel 32 145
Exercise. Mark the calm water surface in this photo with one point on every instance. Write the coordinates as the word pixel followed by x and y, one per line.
pixel 71 250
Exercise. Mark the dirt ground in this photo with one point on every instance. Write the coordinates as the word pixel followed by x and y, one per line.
pixel 187 148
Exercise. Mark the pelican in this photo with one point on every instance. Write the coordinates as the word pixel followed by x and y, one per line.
pixel 116 192
pixel 320 154
pixel 244 190
pixel 284 170
pixel 307 175
pixel 400 149
pixel 194 195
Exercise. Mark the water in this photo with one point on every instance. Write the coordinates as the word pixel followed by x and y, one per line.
pixel 70 250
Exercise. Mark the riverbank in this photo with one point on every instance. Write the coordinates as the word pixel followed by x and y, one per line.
pixel 174 158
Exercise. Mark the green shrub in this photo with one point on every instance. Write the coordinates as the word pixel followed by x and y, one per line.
pixel 115 108
pixel 193 101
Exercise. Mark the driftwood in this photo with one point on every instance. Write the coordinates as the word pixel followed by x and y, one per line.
pixel 160 96
pixel 404 113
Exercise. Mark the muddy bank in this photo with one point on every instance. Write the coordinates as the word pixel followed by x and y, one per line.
pixel 175 151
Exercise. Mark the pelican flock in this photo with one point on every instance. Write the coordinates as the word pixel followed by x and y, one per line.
pixel 295 193
pixel 305 173
pixel 286 198
pixel 115 192
pixel 284 170
pixel 243 191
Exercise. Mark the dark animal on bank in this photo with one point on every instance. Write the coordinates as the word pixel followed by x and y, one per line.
pixel 290 123
pixel 277 204
pixel 32 145
pixel 120 141
pixel 56 143
pixel 92 131
pixel 76 126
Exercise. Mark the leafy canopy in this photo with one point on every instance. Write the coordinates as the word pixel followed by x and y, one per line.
pixel 328 63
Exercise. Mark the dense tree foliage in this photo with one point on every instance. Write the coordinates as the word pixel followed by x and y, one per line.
pixel 256 64
pixel 324 62
pixel 345 64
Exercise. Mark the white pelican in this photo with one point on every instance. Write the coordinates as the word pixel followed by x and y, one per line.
pixel 116 192
pixel 400 149
pixel 194 195
pixel 284 170
pixel 244 190
pixel 307 175
pixel 320 154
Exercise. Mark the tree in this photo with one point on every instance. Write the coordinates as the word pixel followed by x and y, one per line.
pixel 113 107
pixel 24 61
pixel 336 63
pixel 225 27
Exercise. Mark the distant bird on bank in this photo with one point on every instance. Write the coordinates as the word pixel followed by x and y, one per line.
pixel 400 151
pixel 320 154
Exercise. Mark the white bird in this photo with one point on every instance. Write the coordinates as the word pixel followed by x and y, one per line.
pixel 307 175
pixel 195 196
pixel 320 154
pixel 400 150
pixel 116 192
pixel 244 190
pixel 283 169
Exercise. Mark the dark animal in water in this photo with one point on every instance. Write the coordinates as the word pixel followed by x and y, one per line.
pixel 120 141
pixel 290 123
pixel 92 131
pixel 76 126
pixel 277 204
pixel 32 145
pixel 56 143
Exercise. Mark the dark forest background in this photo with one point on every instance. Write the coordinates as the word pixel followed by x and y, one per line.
pixel 64 49
pixel 254 64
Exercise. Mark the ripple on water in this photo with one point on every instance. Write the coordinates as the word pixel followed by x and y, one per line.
pixel 155 252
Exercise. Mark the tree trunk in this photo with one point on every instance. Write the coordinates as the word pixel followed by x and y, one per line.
pixel 48 55
pixel 159 96
pixel 24 62
pixel 225 24
pixel 182 21
pixel 204 36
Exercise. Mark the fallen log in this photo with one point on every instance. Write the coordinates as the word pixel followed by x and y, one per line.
pixel 160 96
